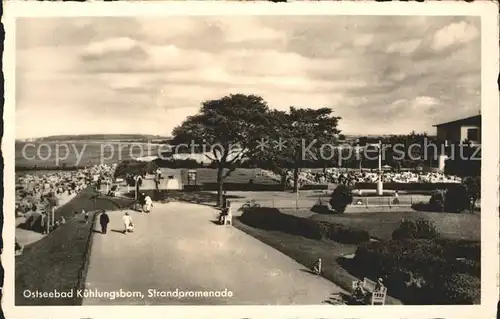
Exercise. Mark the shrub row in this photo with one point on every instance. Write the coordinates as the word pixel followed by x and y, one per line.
pixel 422 271
pixel 178 163
pixel 273 219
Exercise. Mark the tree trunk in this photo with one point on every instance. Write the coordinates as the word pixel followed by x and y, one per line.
pixel 296 179
pixel 220 182
pixel 283 180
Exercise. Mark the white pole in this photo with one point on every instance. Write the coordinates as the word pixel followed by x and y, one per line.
pixel 53 215
pixel 380 189
pixel 380 156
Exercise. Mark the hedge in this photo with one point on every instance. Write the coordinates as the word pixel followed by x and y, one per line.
pixel 422 271
pixel 273 219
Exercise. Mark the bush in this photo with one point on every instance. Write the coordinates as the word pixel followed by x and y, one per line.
pixel 460 248
pixel 457 199
pixel 341 197
pixel 273 219
pixel 179 163
pixel 347 235
pixel 420 228
pixel 420 270
pixel 455 288
pixel 436 202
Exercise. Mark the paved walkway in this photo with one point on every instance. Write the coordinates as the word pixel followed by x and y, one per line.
pixel 178 246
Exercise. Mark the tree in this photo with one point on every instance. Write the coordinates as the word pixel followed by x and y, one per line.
pixel 473 186
pixel 298 136
pixel 229 128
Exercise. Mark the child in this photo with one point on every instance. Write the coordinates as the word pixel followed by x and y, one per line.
pixel 127 221
pixel 317 267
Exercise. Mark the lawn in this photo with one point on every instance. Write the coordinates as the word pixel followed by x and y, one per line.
pixel 380 225
pixel 306 251
pixel 59 260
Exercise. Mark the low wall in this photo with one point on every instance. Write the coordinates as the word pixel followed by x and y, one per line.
pixel 242 187
pixel 406 186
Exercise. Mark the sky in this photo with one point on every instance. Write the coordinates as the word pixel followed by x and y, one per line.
pixel 380 74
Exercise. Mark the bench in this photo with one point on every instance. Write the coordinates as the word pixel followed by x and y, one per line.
pixel 377 297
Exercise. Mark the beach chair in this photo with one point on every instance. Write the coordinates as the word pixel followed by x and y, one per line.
pixel 369 285
pixel 378 297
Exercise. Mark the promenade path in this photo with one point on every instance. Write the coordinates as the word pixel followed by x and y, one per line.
pixel 178 246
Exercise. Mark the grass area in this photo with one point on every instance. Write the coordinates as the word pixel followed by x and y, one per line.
pixel 380 225
pixel 59 260
pixel 306 251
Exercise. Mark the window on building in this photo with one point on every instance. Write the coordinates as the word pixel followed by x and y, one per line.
pixel 473 134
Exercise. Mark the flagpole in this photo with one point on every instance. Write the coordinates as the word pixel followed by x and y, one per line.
pixel 380 189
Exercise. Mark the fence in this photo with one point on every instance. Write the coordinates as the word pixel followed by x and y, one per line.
pixel 323 199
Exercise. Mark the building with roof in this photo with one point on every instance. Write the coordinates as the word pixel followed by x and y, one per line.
pixel 465 132
pixel 462 131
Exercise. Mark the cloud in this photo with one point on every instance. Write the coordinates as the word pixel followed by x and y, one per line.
pixel 380 74
pixel 113 48
pixel 454 34
pixel 405 47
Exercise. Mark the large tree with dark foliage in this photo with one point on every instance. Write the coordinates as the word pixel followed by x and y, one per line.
pixel 230 129
pixel 298 136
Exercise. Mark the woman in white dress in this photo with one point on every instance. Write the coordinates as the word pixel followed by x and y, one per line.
pixel 148 203
pixel 127 221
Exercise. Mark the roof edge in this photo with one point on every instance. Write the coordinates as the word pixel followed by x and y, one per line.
pixel 458 120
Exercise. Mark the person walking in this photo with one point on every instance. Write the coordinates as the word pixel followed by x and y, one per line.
pixel 138 183
pixel 141 201
pixel 104 221
pixel 86 216
pixel 157 184
pixel 127 221
pixel 148 203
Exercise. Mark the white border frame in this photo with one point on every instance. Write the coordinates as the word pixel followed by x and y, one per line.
pixel 488 12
